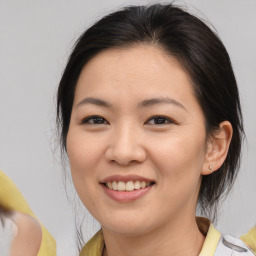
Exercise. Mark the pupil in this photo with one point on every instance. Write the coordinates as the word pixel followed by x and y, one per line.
pixel 160 120
pixel 98 120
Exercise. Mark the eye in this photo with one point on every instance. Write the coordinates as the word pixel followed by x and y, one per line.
pixel 94 120
pixel 159 120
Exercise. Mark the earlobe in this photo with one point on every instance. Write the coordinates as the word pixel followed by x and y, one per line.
pixel 217 148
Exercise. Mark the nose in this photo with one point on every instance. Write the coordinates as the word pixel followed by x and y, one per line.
pixel 126 147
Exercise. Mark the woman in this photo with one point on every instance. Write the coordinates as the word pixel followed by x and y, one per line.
pixel 149 114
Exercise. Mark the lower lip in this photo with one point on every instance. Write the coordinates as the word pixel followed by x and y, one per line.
pixel 126 196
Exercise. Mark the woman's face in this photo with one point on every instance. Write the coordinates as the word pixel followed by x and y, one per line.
pixel 135 122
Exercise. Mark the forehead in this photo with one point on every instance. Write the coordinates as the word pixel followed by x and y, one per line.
pixel 137 71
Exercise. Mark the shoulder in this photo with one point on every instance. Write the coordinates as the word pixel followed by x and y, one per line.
pixel 27 239
pixel 216 244
pixel 231 246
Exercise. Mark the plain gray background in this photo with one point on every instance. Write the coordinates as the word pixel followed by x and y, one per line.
pixel 35 40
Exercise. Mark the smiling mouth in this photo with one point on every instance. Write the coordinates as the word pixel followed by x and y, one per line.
pixel 128 185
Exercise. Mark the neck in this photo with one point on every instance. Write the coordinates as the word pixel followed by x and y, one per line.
pixel 180 238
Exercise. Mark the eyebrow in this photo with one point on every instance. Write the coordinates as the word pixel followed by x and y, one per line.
pixel 94 101
pixel 144 104
pixel 161 100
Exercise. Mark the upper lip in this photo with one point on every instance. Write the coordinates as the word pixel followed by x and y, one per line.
pixel 125 178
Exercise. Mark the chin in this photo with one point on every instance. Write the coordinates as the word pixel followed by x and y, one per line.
pixel 126 225
pixel 128 230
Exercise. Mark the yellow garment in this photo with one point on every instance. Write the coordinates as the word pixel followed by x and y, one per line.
pixel 94 247
pixel 212 236
pixel 250 239
pixel 12 199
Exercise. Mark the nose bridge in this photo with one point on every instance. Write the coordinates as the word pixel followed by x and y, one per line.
pixel 125 136
pixel 126 144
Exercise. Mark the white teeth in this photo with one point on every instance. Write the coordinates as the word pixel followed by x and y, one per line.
pixel 127 186
pixel 121 186
pixel 137 184
pixel 114 185
pixel 143 184
pixel 109 185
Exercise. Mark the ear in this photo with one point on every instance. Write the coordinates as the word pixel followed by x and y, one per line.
pixel 217 148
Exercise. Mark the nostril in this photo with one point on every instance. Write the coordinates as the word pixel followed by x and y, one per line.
pixel 123 154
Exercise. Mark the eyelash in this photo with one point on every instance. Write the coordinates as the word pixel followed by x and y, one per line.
pixel 87 119
pixel 169 121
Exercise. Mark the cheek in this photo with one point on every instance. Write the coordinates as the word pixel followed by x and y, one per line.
pixel 177 150
pixel 179 159
pixel 179 164
pixel 84 158
pixel 83 152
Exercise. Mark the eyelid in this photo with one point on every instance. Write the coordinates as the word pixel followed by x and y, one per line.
pixel 86 119
pixel 170 121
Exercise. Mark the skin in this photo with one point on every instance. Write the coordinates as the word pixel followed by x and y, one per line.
pixel 27 239
pixel 175 154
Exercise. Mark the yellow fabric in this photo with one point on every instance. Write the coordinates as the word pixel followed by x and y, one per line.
pixel 94 247
pixel 12 199
pixel 211 241
pixel 250 239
